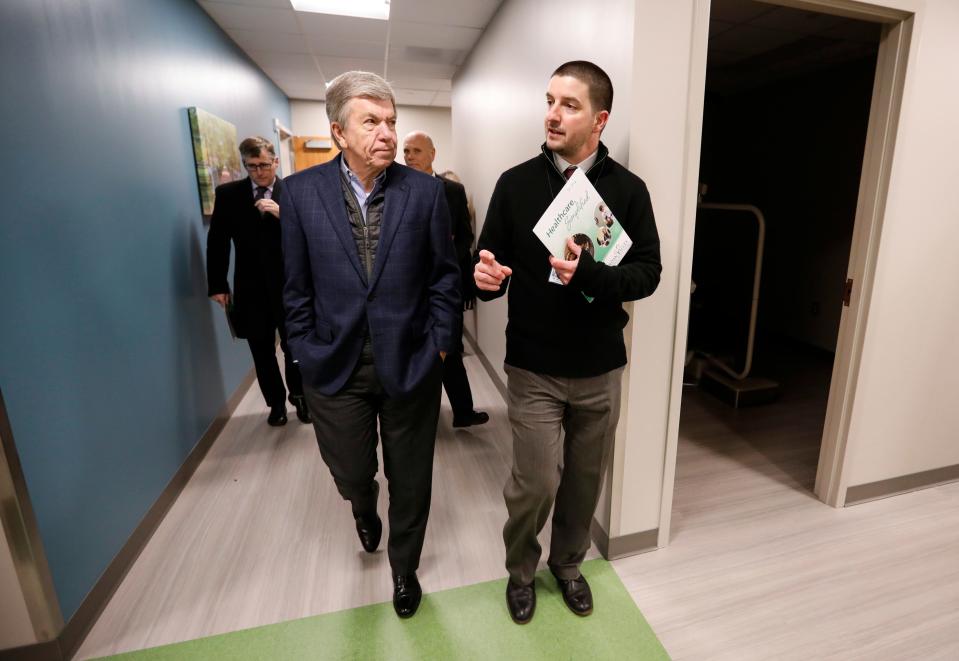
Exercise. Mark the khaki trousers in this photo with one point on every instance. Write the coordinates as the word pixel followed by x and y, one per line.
pixel 563 430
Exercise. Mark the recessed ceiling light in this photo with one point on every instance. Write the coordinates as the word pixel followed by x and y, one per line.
pixel 378 9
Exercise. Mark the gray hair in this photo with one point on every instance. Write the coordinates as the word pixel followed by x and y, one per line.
pixel 350 85
pixel 251 147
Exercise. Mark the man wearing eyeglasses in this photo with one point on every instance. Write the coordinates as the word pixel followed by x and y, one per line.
pixel 245 213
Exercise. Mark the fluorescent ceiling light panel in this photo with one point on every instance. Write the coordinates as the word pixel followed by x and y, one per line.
pixel 379 9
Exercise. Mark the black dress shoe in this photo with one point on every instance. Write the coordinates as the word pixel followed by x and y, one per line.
pixel 303 413
pixel 576 594
pixel 277 417
pixel 370 529
pixel 521 600
pixel 406 595
pixel 471 418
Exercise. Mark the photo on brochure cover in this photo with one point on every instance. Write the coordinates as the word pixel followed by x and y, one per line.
pixel 579 212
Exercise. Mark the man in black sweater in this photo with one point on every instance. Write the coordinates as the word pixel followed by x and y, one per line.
pixel 564 353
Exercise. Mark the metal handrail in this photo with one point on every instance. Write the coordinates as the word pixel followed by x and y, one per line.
pixel 757 277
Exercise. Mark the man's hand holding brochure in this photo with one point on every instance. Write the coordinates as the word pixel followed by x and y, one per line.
pixel 579 220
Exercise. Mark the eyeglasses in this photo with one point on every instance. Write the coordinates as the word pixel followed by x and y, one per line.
pixel 253 167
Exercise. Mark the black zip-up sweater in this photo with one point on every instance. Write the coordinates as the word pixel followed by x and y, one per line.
pixel 553 329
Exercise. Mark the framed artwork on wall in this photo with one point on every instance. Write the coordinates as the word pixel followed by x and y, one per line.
pixel 215 152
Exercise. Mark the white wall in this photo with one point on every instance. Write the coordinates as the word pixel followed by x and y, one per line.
pixel 309 118
pixel 905 418
pixel 498 121
pixel 499 101
pixel 661 151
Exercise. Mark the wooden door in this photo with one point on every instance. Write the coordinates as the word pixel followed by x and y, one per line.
pixel 306 157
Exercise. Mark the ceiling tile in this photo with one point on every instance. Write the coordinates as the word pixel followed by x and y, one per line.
pixel 401 69
pixel 342 28
pixel 406 97
pixel 464 13
pixel 718 27
pixel 795 20
pixel 334 66
pixel 257 40
pixel 282 4
pixel 299 78
pixel 369 50
pixel 738 11
pixel 285 61
pixel 417 83
pixel 428 36
pixel 853 30
pixel 301 51
pixel 427 55
pixel 244 17
pixel 750 40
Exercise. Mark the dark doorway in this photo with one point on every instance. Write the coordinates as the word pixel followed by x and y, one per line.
pixel 784 130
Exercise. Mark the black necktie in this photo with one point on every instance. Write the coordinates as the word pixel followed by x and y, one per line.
pixel 260 193
pixel 568 172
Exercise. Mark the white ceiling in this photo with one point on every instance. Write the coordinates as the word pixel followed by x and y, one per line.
pixel 424 42
pixel 418 50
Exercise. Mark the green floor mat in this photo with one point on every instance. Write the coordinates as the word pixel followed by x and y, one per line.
pixel 471 622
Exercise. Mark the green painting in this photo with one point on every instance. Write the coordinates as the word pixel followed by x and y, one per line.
pixel 215 151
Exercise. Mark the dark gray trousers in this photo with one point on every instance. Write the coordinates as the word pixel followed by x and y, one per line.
pixel 563 432
pixel 263 349
pixel 457 386
pixel 346 431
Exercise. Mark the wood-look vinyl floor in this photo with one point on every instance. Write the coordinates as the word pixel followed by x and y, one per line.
pixel 758 568
pixel 259 535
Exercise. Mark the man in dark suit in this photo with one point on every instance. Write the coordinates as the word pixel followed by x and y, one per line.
pixel 246 213
pixel 419 153
pixel 372 301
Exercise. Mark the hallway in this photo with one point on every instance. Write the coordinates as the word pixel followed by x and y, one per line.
pixel 757 567
pixel 259 535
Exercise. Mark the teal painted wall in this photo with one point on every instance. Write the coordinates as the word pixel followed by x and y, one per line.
pixel 112 360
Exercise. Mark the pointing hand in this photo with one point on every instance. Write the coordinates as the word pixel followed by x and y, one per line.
pixel 488 273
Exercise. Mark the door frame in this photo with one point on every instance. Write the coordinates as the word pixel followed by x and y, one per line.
pixel 888 90
pixel 284 147
pixel 888 85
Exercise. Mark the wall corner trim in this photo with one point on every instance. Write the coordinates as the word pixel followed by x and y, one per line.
pixel 82 621
pixel 623 546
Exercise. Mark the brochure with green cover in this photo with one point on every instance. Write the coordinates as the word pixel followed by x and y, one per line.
pixel 579 212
